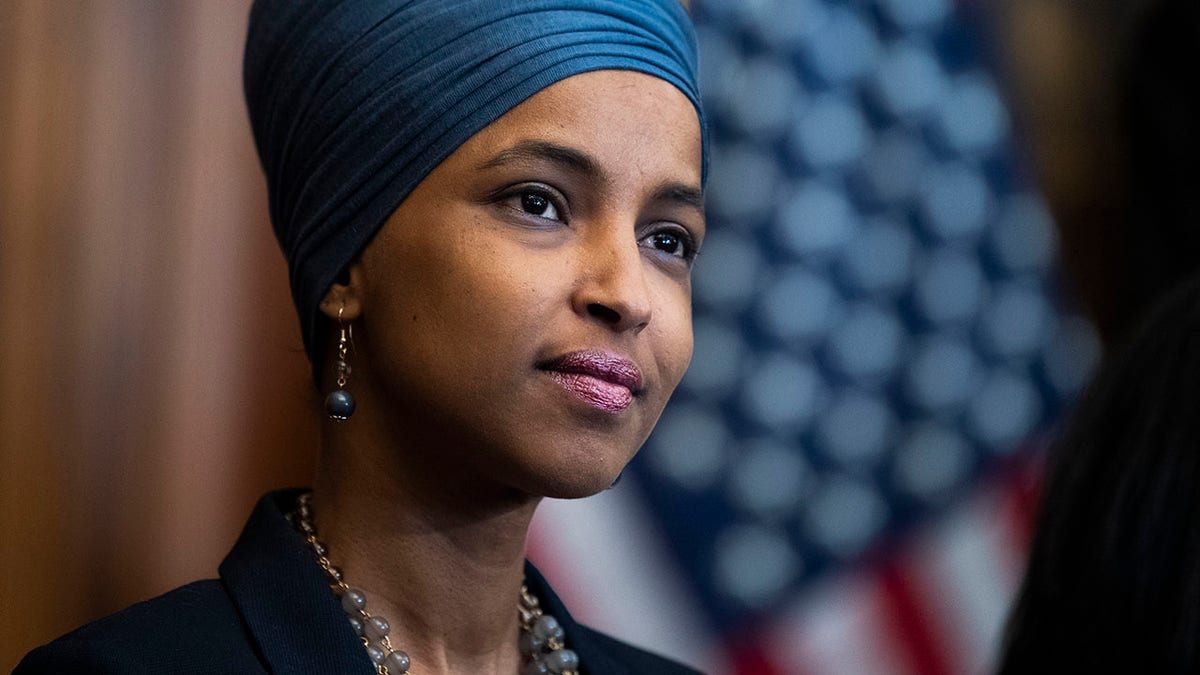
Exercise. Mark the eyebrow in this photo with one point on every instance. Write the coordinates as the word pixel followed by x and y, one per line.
pixel 680 193
pixel 535 151
pixel 581 163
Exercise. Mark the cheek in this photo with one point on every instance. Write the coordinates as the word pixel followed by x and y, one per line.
pixel 482 299
pixel 673 335
pixel 507 286
pixel 446 271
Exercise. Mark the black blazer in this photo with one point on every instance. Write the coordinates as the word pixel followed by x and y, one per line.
pixel 272 611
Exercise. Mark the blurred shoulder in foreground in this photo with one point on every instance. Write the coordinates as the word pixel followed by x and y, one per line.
pixel 1113 583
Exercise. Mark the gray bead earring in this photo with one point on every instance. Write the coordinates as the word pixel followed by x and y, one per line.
pixel 339 404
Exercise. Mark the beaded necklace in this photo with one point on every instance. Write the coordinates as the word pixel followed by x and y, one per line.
pixel 542 642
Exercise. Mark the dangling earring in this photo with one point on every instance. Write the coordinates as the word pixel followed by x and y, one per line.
pixel 339 404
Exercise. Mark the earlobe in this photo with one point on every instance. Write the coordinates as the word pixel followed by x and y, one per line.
pixel 344 298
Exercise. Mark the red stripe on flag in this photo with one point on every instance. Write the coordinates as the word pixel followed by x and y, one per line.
pixel 749 657
pixel 903 615
pixel 1023 493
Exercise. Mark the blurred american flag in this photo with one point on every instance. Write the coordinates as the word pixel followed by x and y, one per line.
pixel 841 483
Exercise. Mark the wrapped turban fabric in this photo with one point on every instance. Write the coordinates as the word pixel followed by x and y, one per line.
pixel 354 102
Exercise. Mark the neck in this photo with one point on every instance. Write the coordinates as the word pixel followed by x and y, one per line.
pixel 443 564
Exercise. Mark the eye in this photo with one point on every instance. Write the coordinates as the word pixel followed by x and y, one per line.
pixel 537 203
pixel 673 243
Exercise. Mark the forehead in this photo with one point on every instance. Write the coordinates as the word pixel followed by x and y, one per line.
pixel 628 122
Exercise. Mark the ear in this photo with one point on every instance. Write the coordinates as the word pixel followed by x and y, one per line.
pixel 345 299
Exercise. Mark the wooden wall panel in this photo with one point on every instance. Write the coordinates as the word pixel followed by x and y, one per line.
pixel 152 381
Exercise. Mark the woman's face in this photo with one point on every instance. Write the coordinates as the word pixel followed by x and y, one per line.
pixel 525 314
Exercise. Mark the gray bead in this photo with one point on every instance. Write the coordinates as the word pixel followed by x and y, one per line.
pixel 356 623
pixel 339 404
pixel 546 628
pixel 376 654
pixel 529 644
pixel 535 668
pixel 561 661
pixel 353 600
pixel 397 663
pixel 375 628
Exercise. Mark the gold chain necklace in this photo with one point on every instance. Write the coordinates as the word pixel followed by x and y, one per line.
pixel 542 642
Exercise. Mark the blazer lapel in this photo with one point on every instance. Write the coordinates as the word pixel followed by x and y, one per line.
pixel 284 599
pixel 298 624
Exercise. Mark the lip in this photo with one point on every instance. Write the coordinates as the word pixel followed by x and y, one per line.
pixel 601 379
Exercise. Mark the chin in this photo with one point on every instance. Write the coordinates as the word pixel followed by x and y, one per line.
pixel 574 490
pixel 577 475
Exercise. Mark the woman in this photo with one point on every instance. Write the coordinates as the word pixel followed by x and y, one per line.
pixel 1113 583
pixel 1113 580
pixel 490 212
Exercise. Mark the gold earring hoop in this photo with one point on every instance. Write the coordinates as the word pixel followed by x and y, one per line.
pixel 339 404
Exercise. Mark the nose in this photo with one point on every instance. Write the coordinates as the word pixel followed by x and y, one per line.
pixel 612 286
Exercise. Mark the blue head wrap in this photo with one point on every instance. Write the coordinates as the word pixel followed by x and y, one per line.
pixel 354 102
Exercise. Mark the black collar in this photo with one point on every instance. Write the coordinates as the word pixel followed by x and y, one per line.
pixel 298 625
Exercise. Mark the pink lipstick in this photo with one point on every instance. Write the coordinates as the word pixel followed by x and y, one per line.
pixel 600 379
